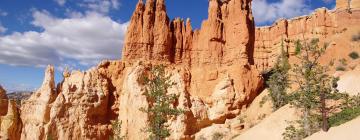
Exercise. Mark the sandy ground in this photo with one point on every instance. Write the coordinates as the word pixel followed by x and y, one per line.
pixel 347 131
pixel 350 82
pixel 272 127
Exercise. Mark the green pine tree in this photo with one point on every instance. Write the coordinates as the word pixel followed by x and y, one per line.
pixel 314 88
pixel 160 103
pixel 279 80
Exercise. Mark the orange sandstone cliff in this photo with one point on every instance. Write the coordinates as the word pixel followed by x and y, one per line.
pixel 333 27
pixel 216 71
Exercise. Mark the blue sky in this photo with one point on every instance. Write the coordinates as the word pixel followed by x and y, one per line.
pixel 79 33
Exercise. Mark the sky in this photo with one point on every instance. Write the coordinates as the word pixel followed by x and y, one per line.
pixel 78 34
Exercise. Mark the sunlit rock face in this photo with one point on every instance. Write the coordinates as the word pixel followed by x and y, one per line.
pixel 10 123
pixel 216 71
pixel 333 27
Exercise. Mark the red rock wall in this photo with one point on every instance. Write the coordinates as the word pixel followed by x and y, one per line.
pixel 322 24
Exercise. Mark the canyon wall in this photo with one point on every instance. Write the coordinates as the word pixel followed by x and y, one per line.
pixel 323 24
pixel 216 71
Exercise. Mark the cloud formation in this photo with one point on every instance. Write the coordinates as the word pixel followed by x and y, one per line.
pixel 2 29
pixel 100 6
pixel 82 40
pixel 60 2
pixel 3 13
pixel 266 13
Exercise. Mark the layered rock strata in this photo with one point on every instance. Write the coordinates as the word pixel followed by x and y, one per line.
pixel 323 24
pixel 215 70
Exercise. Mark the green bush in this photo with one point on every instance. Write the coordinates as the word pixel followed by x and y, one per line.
pixel 343 61
pixel 161 107
pixel 278 81
pixel 354 55
pixel 217 136
pixel 340 68
pixel 344 116
pixel 292 133
pixel 116 128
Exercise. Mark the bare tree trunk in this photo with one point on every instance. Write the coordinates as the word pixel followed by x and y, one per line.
pixel 325 124
pixel 306 122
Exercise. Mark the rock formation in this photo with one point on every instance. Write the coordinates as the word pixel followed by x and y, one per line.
pixel 323 24
pixel 3 101
pixel 224 39
pixel 10 122
pixel 215 70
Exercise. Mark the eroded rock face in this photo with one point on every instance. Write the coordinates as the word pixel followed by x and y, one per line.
pixel 225 38
pixel 3 101
pixel 10 123
pixel 215 71
pixel 149 35
pixel 324 24
pixel 81 106
pixel 36 110
pixel 224 104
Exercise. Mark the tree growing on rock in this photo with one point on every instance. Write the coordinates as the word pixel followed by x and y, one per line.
pixel 314 89
pixel 279 80
pixel 160 103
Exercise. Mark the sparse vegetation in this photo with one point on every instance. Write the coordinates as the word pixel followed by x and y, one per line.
pixel 116 129
pixel 49 137
pixel 350 110
pixel 343 61
pixel 292 133
pixel 279 81
pixel 297 47
pixel 160 103
pixel 263 100
pixel 344 116
pixel 340 68
pixel 342 65
pixel 315 88
pixel 332 62
pixel 217 136
pixel 354 55
pixel 242 119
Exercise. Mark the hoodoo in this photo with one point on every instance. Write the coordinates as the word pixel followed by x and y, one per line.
pixel 215 69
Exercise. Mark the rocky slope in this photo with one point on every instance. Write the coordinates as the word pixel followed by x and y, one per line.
pixel 215 70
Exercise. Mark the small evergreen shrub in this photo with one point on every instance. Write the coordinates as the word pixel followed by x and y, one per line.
pixel 354 55
pixel 161 106
pixel 217 136
pixel 350 110
pixel 340 68
pixel 344 116
pixel 278 81
pixel 116 129
pixel 343 61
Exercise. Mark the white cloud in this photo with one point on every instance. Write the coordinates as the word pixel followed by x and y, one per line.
pixel 60 2
pixel 3 13
pixel 265 12
pixel 2 29
pixel 83 40
pixel 100 6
